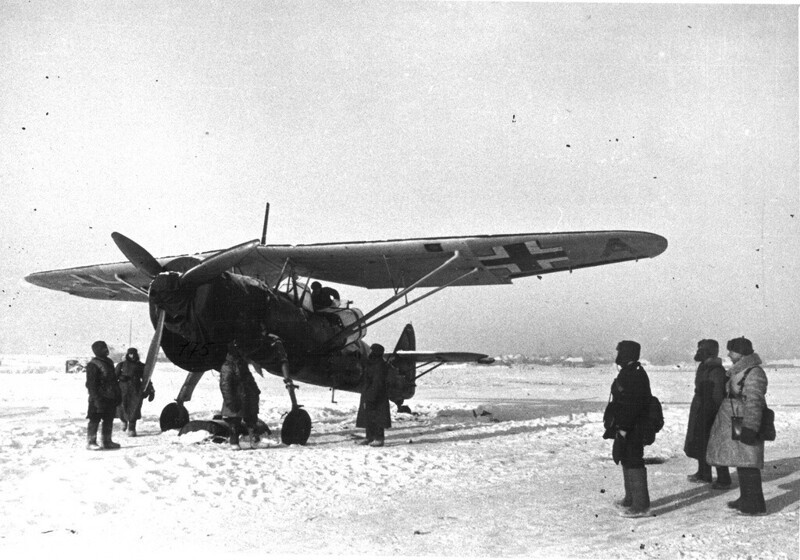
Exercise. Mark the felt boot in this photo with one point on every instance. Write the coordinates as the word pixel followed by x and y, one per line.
pixel 108 427
pixel 131 428
pixel 723 481
pixel 703 473
pixel 627 500
pixel 640 497
pixel 370 437
pixel 377 433
pixel 91 436
pixel 751 500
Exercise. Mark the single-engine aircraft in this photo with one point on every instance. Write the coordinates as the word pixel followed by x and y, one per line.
pixel 256 296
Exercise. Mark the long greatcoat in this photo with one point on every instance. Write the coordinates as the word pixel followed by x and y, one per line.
pixel 101 382
pixel 747 401
pixel 374 409
pixel 129 374
pixel 709 390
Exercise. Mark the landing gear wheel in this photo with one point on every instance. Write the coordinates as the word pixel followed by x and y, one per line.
pixel 296 427
pixel 174 417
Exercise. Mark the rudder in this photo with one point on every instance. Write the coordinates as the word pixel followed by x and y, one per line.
pixel 402 380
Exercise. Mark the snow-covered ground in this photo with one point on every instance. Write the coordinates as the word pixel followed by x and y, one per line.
pixel 532 477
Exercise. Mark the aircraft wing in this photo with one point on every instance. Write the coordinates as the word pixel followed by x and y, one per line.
pixel 495 259
pixel 492 259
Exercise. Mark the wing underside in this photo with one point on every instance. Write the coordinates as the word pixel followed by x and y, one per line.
pixel 475 260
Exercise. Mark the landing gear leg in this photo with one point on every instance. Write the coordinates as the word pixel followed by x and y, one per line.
pixel 175 416
pixel 297 425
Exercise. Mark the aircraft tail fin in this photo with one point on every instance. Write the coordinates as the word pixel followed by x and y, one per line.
pixel 402 385
pixel 407 340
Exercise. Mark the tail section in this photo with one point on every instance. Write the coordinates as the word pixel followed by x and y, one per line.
pixel 402 382
pixel 407 340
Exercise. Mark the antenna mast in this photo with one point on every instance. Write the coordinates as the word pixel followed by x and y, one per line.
pixel 264 231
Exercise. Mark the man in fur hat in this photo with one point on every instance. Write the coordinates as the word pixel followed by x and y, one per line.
pixel 240 397
pixel 104 396
pixel 130 373
pixel 709 390
pixel 374 413
pixel 746 389
pixel 630 399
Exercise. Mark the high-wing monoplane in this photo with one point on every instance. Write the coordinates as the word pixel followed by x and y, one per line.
pixel 257 296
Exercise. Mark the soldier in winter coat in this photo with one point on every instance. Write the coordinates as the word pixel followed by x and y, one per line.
pixel 240 396
pixel 630 399
pixel 374 413
pixel 104 396
pixel 746 390
pixel 709 390
pixel 130 374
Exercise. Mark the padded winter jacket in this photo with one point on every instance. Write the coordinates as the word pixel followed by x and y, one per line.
pixel 101 382
pixel 630 396
pixel 746 397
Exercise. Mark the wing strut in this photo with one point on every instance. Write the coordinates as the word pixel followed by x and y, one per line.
pixel 361 322
pixel 428 370
pixel 120 279
pixel 420 298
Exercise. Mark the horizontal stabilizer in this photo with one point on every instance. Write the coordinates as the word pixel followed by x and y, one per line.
pixel 445 357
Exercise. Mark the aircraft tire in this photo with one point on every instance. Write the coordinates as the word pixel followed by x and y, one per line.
pixel 296 427
pixel 173 417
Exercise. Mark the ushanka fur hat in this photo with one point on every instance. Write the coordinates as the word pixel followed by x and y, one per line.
pixel 741 346
pixel 709 346
pixel 628 351
pixel 376 350
pixel 97 346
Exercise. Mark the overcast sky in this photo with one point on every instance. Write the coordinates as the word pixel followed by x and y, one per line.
pixel 176 122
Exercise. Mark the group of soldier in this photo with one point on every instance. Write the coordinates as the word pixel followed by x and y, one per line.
pixel 114 391
pixel 720 397
pixel 117 392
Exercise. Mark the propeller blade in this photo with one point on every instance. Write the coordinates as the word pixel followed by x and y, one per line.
pixel 217 264
pixel 138 255
pixel 152 352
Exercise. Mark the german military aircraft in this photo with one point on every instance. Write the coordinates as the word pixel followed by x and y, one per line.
pixel 256 296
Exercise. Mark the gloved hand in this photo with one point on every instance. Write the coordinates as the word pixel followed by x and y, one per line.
pixel 151 396
pixel 749 437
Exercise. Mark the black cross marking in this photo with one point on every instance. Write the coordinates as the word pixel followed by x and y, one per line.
pixel 520 255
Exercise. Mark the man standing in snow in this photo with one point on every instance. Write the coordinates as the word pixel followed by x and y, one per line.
pixel 104 396
pixel 240 397
pixel 746 390
pixel 709 390
pixel 130 372
pixel 374 412
pixel 630 399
